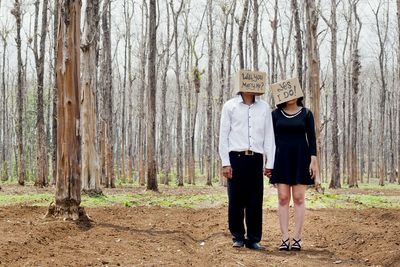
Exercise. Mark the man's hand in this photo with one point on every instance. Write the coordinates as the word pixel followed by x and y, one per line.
pixel 313 167
pixel 227 172
pixel 268 172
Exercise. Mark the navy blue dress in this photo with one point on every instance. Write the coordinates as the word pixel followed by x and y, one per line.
pixel 295 144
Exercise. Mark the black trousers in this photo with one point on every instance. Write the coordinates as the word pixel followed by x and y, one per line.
pixel 245 194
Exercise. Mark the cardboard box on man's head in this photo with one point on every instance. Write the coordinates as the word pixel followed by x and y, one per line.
pixel 250 81
pixel 286 90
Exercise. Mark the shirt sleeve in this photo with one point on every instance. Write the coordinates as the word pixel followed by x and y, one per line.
pixel 269 140
pixel 310 131
pixel 225 127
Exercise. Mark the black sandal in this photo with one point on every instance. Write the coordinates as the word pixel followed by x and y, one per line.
pixel 285 245
pixel 296 245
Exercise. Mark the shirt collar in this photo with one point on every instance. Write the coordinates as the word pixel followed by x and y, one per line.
pixel 239 99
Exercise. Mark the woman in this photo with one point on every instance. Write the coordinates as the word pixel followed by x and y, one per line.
pixel 295 164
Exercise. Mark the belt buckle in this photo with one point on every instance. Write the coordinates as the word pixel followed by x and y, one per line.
pixel 249 153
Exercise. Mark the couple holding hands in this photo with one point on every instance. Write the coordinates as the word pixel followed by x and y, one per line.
pixel 281 144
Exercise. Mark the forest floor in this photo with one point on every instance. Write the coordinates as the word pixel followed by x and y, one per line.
pixel 188 227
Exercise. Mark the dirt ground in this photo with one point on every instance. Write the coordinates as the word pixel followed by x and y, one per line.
pixel 154 236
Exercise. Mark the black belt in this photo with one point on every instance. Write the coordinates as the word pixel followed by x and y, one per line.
pixel 245 153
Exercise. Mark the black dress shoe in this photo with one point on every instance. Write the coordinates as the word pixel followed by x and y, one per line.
pixel 238 244
pixel 255 246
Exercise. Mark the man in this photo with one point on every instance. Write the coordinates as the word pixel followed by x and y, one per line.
pixel 246 137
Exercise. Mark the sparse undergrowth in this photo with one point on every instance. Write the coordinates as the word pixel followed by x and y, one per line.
pixel 367 196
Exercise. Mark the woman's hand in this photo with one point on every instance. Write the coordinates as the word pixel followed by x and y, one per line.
pixel 268 172
pixel 227 172
pixel 313 167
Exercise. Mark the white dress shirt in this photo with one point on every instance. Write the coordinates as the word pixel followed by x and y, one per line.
pixel 245 127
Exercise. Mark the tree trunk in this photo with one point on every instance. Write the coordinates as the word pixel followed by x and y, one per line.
pixel 254 36
pixel 106 71
pixel 54 100
pixel 240 35
pixel 356 71
pixel 16 12
pixel 222 74
pixel 230 46
pixel 398 91
pixel 274 26
pixel 299 46
pixel 163 133
pixel 68 185
pixel 382 36
pixel 208 137
pixel 41 159
pixel 4 147
pixel 179 167
pixel 90 159
pixel 313 63
pixel 151 118
pixel 335 175
pixel 370 171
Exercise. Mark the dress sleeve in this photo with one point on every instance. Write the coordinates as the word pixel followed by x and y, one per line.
pixel 310 131
pixel 274 122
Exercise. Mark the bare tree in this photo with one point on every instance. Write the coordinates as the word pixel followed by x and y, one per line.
pixel 299 46
pixel 335 175
pixel 208 137
pixel 314 67
pixel 398 91
pixel 382 37
pixel 90 158
pixel 16 12
pixel 107 161
pixel 163 145
pixel 356 70
pixel 4 129
pixel 240 35
pixel 142 129
pixel 254 35
pixel 42 166
pixel 54 100
pixel 274 26
pixel 151 119
pixel 229 55
pixel 68 184
pixel 179 167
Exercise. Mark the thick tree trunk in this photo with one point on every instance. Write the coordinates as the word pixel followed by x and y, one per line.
pixel 151 118
pixel 41 159
pixel 90 159
pixel 68 185
pixel 16 12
